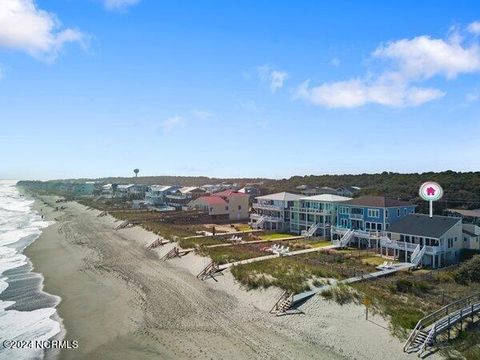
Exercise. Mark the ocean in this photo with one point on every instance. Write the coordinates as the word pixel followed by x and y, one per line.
pixel 26 312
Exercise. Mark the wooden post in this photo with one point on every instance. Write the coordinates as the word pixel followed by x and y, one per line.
pixel 449 328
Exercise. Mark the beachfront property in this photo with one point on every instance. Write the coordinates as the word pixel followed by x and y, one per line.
pixel 314 215
pixel 179 198
pixel 365 219
pixel 437 240
pixel 272 212
pixel 224 205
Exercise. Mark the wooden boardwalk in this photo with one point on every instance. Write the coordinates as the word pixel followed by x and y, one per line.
pixel 297 298
pixel 274 256
pixel 451 316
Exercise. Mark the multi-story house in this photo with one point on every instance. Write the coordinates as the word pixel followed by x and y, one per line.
pixel 228 204
pixel 314 215
pixel 365 219
pixel 272 212
pixel 430 241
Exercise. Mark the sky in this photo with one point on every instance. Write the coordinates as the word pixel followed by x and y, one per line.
pixel 96 88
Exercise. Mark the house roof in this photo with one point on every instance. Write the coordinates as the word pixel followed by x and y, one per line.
pixel 189 189
pixel 468 213
pixel 377 201
pixel 469 233
pixel 423 225
pixel 160 187
pixel 226 193
pixel 282 196
pixel 211 200
pixel 326 198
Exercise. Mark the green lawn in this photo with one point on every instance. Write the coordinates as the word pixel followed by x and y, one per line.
pixel 275 236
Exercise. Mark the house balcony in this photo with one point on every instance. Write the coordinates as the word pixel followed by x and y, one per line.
pixel 307 210
pixel 402 245
pixel 358 233
pixel 256 217
pixel 261 206
pixel 356 216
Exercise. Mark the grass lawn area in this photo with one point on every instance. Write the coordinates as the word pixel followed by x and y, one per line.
pixel 228 254
pixel 200 241
pixel 275 236
pixel 243 227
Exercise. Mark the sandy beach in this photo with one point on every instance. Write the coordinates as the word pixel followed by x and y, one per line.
pixel 121 302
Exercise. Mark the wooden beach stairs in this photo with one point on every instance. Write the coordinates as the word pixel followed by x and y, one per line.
pixel 210 271
pixel 304 296
pixel 123 225
pixel 176 252
pixel 450 317
pixel 283 304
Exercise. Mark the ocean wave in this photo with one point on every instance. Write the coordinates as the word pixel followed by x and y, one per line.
pixel 19 224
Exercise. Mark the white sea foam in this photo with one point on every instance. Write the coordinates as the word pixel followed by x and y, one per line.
pixel 19 223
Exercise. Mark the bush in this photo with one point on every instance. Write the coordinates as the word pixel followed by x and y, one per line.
pixel 469 271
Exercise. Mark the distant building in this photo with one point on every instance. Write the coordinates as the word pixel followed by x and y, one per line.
pixel 468 216
pixel 84 189
pixel 250 190
pixel 272 212
pixel 107 191
pixel 471 236
pixel 228 204
pixel 349 191
pixel 179 198
pixel 156 195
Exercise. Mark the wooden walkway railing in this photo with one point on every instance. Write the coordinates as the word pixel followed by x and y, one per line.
pixel 428 328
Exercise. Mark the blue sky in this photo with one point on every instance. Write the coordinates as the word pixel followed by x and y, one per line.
pixel 93 88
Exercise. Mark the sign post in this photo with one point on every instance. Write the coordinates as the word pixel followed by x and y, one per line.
pixel 430 191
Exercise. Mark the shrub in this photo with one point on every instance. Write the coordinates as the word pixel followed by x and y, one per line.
pixel 469 271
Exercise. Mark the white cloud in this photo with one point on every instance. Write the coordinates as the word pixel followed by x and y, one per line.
pixel 119 4
pixel 37 32
pixel 358 92
pixel 405 63
pixel 202 114
pixel 168 125
pixel 274 78
pixel 423 57
pixel 474 27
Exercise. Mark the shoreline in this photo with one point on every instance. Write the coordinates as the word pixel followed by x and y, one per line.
pixel 120 301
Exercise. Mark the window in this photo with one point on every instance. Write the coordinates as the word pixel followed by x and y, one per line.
pixel 373 213
pixel 405 211
pixel 386 213
pixel 398 212
pixel 239 207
